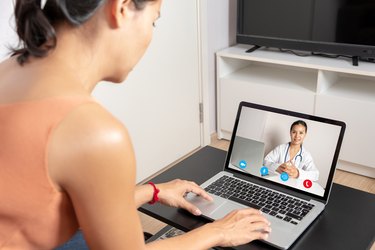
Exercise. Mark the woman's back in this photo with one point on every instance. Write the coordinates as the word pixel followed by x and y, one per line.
pixel 49 123
pixel 33 214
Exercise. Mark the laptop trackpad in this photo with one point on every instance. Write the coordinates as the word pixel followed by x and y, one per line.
pixel 216 209
pixel 225 208
pixel 205 206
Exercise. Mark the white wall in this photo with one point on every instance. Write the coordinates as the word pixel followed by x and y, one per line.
pixel 7 33
pixel 221 33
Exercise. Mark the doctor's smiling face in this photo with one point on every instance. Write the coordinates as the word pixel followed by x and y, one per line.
pixel 297 133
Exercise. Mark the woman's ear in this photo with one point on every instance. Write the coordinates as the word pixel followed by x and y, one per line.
pixel 120 11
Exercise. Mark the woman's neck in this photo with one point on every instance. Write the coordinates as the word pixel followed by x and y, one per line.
pixel 295 146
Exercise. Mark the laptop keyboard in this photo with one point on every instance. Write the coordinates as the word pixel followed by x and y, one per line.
pixel 276 204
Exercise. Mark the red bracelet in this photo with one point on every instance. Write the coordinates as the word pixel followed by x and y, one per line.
pixel 155 196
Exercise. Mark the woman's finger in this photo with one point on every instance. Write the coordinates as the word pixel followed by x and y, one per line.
pixel 190 207
pixel 201 192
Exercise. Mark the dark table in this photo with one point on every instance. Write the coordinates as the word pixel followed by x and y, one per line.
pixel 348 222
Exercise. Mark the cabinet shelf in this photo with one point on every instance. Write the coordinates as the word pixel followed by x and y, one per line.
pixel 353 88
pixel 276 76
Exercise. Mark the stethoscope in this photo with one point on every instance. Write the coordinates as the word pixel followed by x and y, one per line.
pixel 295 157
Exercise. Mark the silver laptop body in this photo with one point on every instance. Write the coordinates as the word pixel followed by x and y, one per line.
pixel 239 165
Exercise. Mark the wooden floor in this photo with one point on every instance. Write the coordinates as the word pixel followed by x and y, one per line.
pixel 341 177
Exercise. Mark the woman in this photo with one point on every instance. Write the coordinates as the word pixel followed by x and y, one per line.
pixel 292 158
pixel 65 161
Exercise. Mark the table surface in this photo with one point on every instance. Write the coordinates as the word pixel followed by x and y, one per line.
pixel 348 222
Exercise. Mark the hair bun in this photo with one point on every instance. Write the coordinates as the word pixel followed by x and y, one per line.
pixel 34 30
pixel 35 20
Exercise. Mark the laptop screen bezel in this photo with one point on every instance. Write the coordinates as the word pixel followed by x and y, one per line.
pixel 340 124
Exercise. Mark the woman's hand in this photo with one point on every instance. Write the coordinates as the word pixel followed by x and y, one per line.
pixel 237 228
pixel 282 168
pixel 172 194
pixel 289 168
pixel 241 226
pixel 292 171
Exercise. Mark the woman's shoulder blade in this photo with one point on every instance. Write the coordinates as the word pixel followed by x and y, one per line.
pixel 89 139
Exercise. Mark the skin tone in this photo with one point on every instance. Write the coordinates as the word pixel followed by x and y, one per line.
pixel 297 135
pixel 90 155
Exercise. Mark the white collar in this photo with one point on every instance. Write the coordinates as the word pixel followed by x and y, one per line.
pixel 43 3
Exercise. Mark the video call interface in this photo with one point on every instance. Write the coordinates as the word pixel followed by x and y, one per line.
pixel 285 149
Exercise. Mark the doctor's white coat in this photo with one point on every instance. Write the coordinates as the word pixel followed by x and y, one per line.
pixel 303 161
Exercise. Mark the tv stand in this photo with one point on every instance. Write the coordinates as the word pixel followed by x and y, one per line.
pixel 254 48
pixel 355 60
pixel 317 85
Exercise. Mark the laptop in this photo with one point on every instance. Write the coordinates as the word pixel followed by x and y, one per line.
pixel 248 180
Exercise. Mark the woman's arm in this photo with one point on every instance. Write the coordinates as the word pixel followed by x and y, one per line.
pixel 237 228
pixel 143 194
pixel 91 159
pixel 309 170
pixel 272 160
pixel 171 194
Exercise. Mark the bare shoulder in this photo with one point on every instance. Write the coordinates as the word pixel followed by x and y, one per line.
pixel 89 139
pixel 91 159
pixel 93 121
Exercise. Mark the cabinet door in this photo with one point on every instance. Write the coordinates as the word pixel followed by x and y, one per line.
pixel 359 118
pixel 159 102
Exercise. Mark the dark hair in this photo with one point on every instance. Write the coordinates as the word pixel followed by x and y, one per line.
pixel 35 26
pixel 299 122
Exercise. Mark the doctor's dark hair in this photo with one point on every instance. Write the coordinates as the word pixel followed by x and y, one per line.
pixel 299 122
pixel 36 26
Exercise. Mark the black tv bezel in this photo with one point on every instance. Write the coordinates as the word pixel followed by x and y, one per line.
pixel 366 52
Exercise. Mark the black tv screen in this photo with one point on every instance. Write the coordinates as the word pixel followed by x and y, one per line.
pixel 338 27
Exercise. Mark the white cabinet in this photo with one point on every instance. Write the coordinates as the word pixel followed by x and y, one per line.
pixel 327 87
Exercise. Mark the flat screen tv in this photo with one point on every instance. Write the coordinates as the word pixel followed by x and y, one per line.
pixel 334 27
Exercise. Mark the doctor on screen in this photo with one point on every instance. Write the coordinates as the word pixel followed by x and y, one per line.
pixel 292 158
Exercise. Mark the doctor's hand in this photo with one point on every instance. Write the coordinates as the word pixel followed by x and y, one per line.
pixel 172 194
pixel 289 168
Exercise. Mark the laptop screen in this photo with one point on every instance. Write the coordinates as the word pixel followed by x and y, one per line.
pixel 287 148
